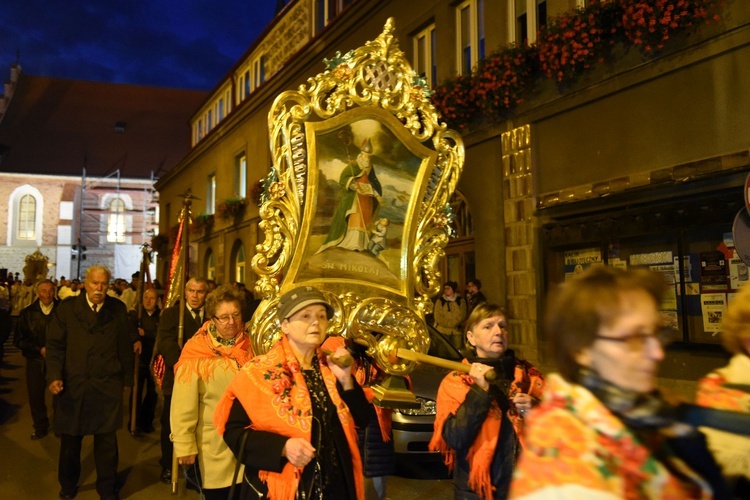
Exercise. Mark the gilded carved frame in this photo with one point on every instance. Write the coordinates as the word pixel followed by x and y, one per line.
pixel 314 133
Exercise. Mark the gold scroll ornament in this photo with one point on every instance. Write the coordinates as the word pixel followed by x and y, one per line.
pixel 368 99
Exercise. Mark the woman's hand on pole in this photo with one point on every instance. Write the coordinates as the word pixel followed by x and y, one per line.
pixel 477 372
pixel 342 374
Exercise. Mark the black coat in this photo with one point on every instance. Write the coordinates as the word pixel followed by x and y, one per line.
pixel 150 325
pixel 460 431
pixel 92 353
pixel 166 341
pixel 263 449
pixel 31 332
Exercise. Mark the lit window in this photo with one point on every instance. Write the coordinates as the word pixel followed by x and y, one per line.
pixel 528 16
pixel 240 88
pixel 326 11
pixel 240 175
pixel 211 194
pixel 239 263
pixel 27 218
pixel 116 222
pixel 470 34
pixel 210 265
pixel 425 60
pixel 259 71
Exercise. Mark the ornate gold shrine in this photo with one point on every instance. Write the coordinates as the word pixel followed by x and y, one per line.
pixel 370 239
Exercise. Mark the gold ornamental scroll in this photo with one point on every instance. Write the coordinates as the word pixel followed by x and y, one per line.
pixel 357 204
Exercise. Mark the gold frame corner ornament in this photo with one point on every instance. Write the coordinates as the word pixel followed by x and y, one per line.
pixel 373 86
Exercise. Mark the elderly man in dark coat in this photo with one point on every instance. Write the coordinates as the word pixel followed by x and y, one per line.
pixel 31 338
pixel 168 346
pixel 89 363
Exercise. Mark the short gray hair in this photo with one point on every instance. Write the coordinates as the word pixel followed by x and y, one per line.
pixel 42 282
pixel 94 269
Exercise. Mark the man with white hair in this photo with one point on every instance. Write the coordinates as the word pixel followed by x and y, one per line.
pixel 89 363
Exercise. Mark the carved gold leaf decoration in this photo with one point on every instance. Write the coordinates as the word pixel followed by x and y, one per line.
pixel 376 75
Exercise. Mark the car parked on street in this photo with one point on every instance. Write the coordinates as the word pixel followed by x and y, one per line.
pixel 412 428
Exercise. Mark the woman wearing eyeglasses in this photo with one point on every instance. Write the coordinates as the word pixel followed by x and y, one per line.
pixel 208 362
pixel 290 415
pixel 603 429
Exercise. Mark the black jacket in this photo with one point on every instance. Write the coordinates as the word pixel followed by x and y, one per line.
pixel 92 353
pixel 150 325
pixel 263 449
pixel 166 341
pixel 460 431
pixel 31 332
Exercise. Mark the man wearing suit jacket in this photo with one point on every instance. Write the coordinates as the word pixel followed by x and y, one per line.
pixel 167 345
pixel 89 363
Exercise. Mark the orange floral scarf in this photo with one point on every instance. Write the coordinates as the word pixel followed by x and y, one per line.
pixel 273 392
pixel 452 394
pixel 201 355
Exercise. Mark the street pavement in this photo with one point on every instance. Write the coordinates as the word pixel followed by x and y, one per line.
pixel 28 469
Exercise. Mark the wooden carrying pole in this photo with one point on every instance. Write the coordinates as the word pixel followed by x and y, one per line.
pixel 181 324
pixel 137 357
pixel 402 353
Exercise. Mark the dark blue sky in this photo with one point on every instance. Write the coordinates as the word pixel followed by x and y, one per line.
pixel 167 43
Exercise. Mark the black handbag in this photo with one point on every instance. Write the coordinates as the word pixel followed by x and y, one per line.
pixel 240 457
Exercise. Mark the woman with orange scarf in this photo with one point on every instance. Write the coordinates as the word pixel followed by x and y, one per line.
pixel 208 362
pixel 478 424
pixel 290 414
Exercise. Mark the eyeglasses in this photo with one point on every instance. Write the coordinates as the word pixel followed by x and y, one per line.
pixel 637 341
pixel 225 319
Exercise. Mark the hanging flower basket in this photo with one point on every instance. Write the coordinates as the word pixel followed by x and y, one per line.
pixel 202 223
pixel 160 243
pixel 648 25
pixel 567 46
pixel 257 192
pixel 231 208
pixel 570 43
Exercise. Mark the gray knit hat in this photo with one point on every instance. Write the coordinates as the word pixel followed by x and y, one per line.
pixel 299 298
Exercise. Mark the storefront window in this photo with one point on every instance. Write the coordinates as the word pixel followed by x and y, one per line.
pixel 690 243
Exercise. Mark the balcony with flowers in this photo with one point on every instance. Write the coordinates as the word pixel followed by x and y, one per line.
pixel 568 47
pixel 231 209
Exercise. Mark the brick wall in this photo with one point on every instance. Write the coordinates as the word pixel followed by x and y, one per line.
pixel 518 208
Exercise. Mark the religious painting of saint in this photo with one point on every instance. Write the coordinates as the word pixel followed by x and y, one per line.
pixel 367 174
pixel 360 196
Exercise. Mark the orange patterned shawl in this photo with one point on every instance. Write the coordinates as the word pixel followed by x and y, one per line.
pixel 200 352
pixel 273 392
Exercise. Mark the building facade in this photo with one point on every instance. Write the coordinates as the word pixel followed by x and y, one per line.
pixel 78 162
pixel 640 160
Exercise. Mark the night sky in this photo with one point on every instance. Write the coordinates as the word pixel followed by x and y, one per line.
pixel 188 44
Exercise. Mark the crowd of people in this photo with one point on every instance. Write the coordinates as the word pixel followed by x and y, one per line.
pixel 289 423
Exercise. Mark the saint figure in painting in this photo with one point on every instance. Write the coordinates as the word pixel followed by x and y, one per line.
pixel 359 198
